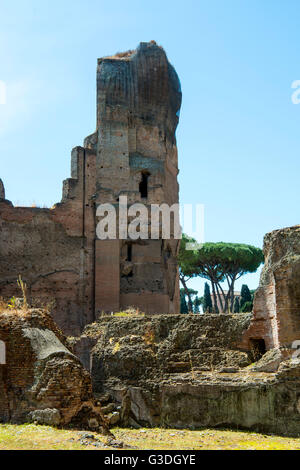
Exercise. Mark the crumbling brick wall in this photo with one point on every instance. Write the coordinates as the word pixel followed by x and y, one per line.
pixel 44 246
pixel 40 373
pixel 277 301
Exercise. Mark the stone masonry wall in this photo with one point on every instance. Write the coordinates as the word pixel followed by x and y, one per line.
pixel 190 371
pixel 130 349
pixel 41 377
pixel 52 249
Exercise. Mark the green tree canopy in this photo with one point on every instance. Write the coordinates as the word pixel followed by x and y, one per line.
pixel 183 304
pixel 196 301
pixel 226 261
pixel 246 295
pixel 247 307
pixel 207 302
pixel 217 262
pixel 187 266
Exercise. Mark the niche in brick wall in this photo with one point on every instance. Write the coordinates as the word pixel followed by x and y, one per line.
pixel 257 348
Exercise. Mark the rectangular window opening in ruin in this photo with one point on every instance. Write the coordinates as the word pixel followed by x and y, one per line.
pixel 143 188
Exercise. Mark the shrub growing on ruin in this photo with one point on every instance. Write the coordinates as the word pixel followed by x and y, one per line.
pixel 187 260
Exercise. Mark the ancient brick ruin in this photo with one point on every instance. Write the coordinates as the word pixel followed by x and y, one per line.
pixel 233 370
pixel 133 153
pixel 161 368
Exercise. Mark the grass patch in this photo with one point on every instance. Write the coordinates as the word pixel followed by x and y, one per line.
pixel 207 439
pixel 34 437
pixel 116 348
pixel 129 312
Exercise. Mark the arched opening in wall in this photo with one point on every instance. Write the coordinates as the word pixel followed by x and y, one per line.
pixel 2 353
pixel 257 348
pixel 143 187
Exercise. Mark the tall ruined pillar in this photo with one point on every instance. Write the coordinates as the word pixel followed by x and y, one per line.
pixel 132 153
pixel 138 103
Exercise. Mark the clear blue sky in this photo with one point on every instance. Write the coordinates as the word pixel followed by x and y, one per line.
pixel 238 136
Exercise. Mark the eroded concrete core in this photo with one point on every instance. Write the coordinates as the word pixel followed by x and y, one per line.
pixel 133 153
pixel 191 371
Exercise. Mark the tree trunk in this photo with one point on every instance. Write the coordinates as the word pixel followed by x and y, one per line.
pixel 215 307
pixel 227 297
pixel 187 293
pixel 219 298
pixel 230 294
